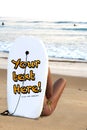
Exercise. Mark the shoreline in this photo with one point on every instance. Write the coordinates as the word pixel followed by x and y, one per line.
pixel 58 66
pixel 67 60
pixel 4 55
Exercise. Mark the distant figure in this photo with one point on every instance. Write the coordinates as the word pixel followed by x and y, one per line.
pixel 75 25
pixel 3 23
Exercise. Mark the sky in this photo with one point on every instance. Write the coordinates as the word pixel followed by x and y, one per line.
pixel 49 10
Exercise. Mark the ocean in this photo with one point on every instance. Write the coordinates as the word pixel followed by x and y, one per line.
pixel 63 39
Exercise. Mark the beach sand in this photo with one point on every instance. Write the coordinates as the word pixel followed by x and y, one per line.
pixel 71 110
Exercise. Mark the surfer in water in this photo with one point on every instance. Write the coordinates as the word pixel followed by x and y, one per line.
pixel 3 24
pixel 53 93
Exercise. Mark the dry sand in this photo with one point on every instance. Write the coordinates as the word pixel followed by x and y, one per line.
pixel 71 111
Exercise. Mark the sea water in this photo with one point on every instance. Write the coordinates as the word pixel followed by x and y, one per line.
pixel 63 39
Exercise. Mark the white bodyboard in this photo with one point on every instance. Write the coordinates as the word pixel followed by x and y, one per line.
pixel 27 77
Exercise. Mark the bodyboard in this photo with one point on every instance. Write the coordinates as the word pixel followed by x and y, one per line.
pixel 26 77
